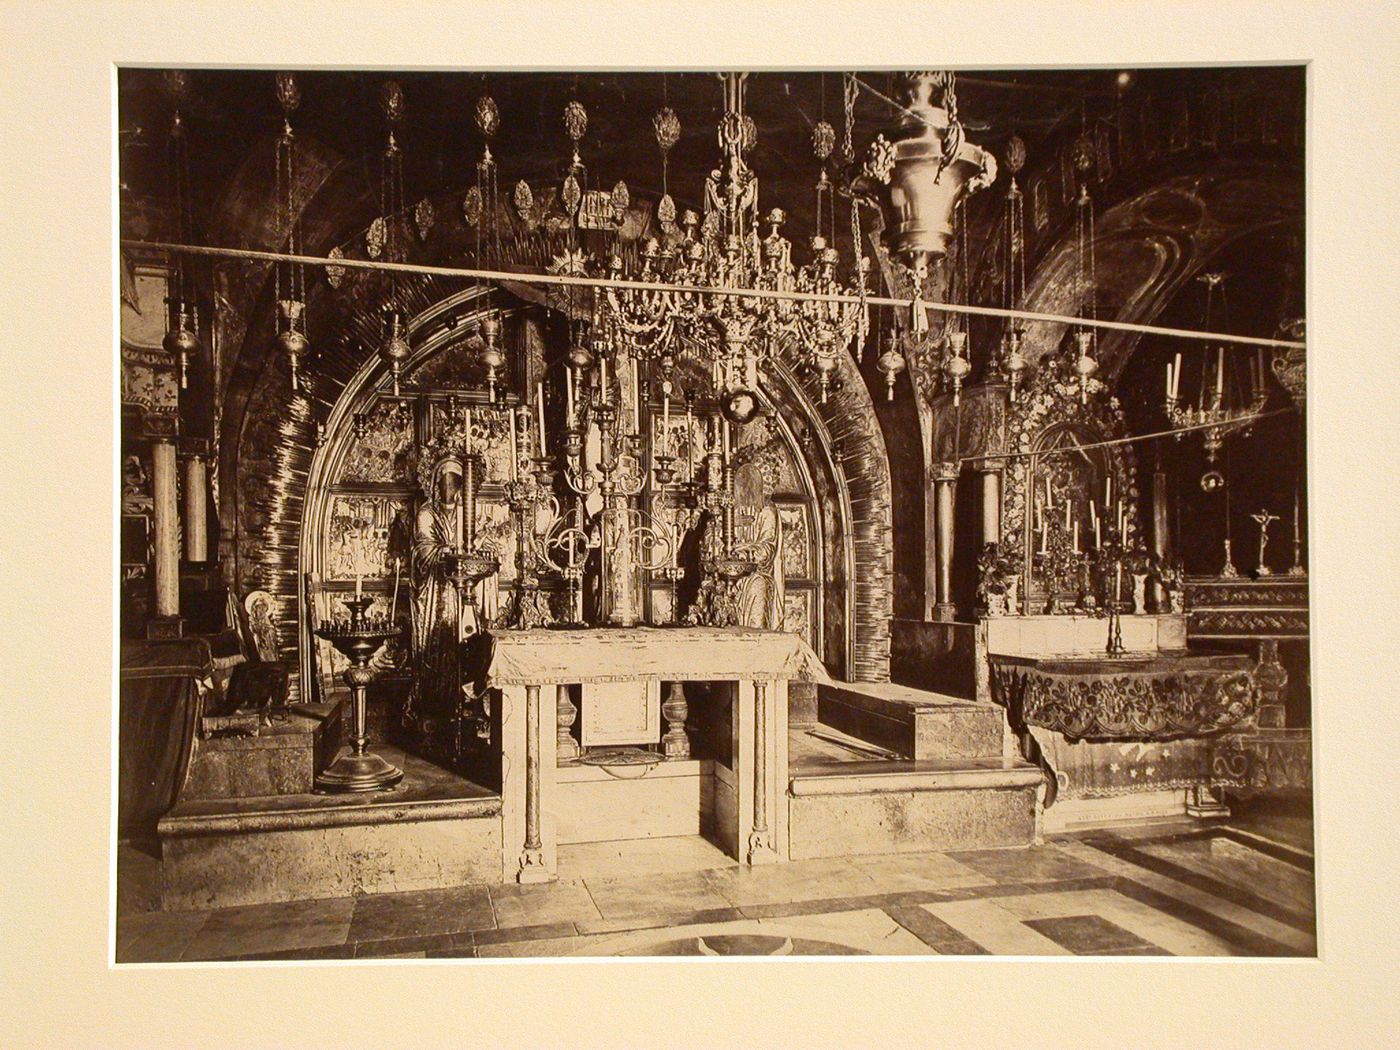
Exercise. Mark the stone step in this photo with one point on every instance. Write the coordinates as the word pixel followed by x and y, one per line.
pixel 863 808
pixel 278 759
pixel 913 723
pixel 434 831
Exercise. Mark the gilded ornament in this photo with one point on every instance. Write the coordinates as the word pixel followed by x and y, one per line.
pixel 523 199
pixel 575 120
pixel 1082 153
pixel 879 160
pixel 488 117
pixel 375 237
pixel 424 216
pixel 335 274
pixel 1015 154
pixel 667 126
pixel 571 196
pixel 823 140
pixel 391 100
pixel 472 206
pixel 288 93
pixel 748 133
pixel 620 200
pixel 666 210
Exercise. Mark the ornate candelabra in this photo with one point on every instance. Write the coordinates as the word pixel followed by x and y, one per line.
pixel 358 638
pixel 466 565
pixel 527 492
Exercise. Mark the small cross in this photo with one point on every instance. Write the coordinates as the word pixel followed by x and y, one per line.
pixel 1263 518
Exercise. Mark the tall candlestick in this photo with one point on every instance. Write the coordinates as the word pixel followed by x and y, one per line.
pixel 539 401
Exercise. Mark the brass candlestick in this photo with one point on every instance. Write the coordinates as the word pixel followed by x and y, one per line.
pixel 357 769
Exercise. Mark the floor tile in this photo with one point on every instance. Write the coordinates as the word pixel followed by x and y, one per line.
pixel 1032 864
pixel 933 931
pixel 563 901
pixel 987 924
pixel 384 916
pixel 917 871
pixel 656 894
pixel 795 881
pixel 1212 906
pixel 272 927
pixel 157 936
pixel 1086 934
pixel 1151 924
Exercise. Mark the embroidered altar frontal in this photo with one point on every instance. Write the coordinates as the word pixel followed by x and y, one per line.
pixel 1150 697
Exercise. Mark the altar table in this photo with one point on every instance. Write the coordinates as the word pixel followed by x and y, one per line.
pixel 759 663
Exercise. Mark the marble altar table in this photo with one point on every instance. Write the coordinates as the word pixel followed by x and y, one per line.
pixel 758 663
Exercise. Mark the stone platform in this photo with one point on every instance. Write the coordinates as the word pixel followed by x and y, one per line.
pixel 434 831
pixel 845 801
pixel 912 723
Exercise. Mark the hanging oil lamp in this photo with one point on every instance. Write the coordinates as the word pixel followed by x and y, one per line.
pixel 1084 363
pixel 394 350
pixel 181 340
pixel 291 336
pixel 957 366
pixel 890 363
pixel 490 355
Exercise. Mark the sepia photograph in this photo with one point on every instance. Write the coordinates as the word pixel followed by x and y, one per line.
pixel 552 524
pixel 845 512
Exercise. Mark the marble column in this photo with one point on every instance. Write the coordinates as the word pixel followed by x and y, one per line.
pixel 945 479
pixel 1161 538
pixel 532 866
pixel 196 516
pixel 166 516
pixel 989 477
pixel 760 843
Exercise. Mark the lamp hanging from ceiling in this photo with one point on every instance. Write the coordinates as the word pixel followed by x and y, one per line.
pixel 394 348
pixel 1086 338
pixel 1013 358
pixel 289 278
pixel 181 340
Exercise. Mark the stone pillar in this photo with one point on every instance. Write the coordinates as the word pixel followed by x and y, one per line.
pixel 196 516
pixel 166 516
pixel 945 479
pixel 532 866
pixel 1161 537
pixel 675 744
pixel 759 840
pixel 989 476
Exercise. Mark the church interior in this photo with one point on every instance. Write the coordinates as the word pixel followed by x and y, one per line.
pixel 694 513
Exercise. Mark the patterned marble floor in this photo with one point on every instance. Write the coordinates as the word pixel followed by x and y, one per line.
pixel 1164 889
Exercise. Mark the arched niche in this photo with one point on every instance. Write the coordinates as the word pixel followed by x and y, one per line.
pixel 834 503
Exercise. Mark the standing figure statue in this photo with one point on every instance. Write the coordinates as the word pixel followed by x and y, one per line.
pixel 761 538
pixel 435 697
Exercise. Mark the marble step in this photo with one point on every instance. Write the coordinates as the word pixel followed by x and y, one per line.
pixel 873 807
pixel 434 831
pixel 913 723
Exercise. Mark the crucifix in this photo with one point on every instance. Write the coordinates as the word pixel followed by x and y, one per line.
pixel 1263 518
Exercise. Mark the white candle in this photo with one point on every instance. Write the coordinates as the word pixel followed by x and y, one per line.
pixel 1049 499
pixel 569 389
pixel 514 452
pixel 359 582
pixel 1098 540
pixel 1066 512
pixel 1044 537
pixel 459 538
pixel 636 399
pixel 1169 380
pixel 539 400
pixel 1219 372
pixel 1176 376
pixel 690 436
pixel 1107 490
pixel 665 420
pixel 1076 535
pixel 469 430
pixel 603 374
pixel 724 436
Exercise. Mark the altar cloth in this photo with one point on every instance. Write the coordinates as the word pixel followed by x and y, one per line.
pixel 1137 696
pixel 541 657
